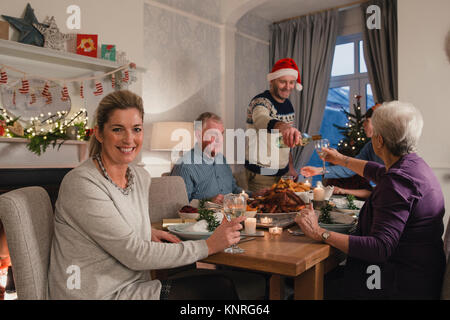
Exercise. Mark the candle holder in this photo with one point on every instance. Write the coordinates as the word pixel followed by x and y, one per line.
pixel 266 220
pixel 275 231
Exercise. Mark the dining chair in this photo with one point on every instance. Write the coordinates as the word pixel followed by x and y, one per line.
pixel 27 218
pixel 166 196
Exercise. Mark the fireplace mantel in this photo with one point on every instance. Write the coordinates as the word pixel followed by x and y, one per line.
pixel 15 155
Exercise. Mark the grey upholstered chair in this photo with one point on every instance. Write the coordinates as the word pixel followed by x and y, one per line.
pixel 167 196
pixel 27 218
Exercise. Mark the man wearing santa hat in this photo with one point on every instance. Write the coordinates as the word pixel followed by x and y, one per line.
pixel 271 113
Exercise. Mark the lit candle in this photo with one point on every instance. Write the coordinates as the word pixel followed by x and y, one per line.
pixel 319 193
pixel 266 220
pixel 275 230
pixel 307 183
pixel 250 225
pixel 244 194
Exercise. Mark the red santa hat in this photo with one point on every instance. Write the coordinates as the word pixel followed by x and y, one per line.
pixel 286 67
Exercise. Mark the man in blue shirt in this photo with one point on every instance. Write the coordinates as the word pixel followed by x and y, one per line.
pixel 204 169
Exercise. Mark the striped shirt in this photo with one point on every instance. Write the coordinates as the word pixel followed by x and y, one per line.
pixel 205 177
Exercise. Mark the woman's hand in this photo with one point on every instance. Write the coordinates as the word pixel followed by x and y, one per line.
pixel 159 236
pixel 225 235
pixel 307 220
pixel 333 156
pixel 338 190
pixel 310 171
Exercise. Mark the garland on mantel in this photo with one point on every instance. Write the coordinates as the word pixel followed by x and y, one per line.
pixel 52 128
pixel 56 130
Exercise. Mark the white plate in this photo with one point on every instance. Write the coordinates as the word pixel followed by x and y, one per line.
pixel 348 211
pixel 179 231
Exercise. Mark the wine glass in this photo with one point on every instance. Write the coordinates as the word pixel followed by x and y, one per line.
pixel 234 205
pixel 319 145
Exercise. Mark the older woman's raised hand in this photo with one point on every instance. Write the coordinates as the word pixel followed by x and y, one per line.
pixel 225 235
pixel 331 155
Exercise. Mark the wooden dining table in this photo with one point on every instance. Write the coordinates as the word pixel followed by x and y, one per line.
pixel 285 255
pixel 299 257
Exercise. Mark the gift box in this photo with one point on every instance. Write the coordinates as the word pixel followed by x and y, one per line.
pixel 87 45
pixel 108 52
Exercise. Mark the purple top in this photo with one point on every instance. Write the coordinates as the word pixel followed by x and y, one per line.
pixel 400 230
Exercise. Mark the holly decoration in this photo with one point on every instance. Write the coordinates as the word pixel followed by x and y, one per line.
pixel 354 136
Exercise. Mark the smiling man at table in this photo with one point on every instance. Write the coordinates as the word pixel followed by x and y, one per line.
pixel 204 169
pixel 400 226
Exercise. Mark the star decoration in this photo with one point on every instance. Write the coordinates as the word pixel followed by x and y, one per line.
pixel 28 33
pixel 53 38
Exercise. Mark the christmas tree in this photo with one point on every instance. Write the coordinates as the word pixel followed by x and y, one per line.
pixel 354 136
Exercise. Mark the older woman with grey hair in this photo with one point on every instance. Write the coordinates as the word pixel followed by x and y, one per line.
pixel 397 249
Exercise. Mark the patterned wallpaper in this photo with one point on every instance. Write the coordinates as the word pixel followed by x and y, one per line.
pixel 251 64
pixel 209 9
pixel 183 60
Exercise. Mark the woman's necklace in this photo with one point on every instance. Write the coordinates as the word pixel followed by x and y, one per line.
pixel 129 176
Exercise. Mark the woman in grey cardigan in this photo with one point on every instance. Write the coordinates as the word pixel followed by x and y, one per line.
pixel 104 245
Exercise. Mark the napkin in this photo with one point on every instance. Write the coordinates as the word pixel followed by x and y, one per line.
pixel 202 225
pixel 328 192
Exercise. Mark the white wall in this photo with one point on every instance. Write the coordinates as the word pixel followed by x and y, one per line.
pixel 424 78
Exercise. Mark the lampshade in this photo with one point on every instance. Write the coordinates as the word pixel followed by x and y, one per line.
pixel 172 136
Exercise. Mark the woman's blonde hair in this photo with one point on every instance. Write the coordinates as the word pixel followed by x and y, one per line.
pixel 122 99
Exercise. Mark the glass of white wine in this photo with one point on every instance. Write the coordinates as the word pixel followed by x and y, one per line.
pixel 234 205
pixel 319 145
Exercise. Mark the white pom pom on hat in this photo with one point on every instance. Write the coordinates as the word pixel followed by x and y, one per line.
pixel 285 67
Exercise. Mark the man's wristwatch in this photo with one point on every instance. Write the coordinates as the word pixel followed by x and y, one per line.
pixel 325 235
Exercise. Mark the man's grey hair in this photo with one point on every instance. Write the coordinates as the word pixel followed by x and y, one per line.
pixel 205 116
pixel 400 124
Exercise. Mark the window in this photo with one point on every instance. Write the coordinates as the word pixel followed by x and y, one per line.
pixel 349 77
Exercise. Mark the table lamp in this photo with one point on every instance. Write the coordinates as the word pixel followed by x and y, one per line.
pixel 175 137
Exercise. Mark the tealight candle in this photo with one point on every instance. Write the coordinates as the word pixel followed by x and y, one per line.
pixel 319 193
pixel 275 230
pixel 266 220
pixel 250 225
pixel 307 183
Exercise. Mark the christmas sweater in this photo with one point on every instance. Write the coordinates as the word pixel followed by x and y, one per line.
pixel 262 153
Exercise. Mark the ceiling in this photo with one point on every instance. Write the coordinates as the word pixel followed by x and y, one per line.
pixel 277 10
